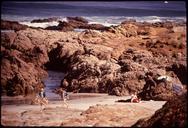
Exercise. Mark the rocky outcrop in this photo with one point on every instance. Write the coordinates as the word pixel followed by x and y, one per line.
pixel 141 70
pixel 133 66
pixel 172 114
pixel 21 67
pixel 77 19
pixel 62 26
pixel 12 25
pixel 116 61
pixel 76 23
pixel 18 75
pixel 87 73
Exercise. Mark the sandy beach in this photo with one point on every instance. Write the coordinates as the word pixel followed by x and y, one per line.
pixel 55 113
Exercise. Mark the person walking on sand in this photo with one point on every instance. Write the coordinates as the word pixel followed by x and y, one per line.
pixel 42 98
pixel 64 96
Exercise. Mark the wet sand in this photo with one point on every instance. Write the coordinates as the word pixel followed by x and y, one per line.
pixel 55 113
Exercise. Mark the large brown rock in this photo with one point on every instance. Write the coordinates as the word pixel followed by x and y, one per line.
pixel 87 72
pixel 21 67
pixel 62 26
pixel 172 114
pixel 77 22
pixel 65 26
pixel 19 77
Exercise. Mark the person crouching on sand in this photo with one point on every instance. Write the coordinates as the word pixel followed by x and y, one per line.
pixel 135 99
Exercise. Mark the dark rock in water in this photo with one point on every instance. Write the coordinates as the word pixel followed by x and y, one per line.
pixel 12 25
pixel 128 21
pixel 172 114
pixel 52 28
pixel 95 27
pixel 44 20
pixel 77 22
pixel 78 19
pixel 62 26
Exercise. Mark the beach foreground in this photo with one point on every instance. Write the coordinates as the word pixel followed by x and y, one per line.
pixel 84 110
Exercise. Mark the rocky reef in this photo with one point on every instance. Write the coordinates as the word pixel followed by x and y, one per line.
pixel 118 60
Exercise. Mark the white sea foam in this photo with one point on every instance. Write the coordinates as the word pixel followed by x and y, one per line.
pixel 103 23
pixel 42 25
pixel 115 20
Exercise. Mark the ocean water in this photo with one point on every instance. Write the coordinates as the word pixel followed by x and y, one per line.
pixel 106 13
